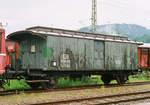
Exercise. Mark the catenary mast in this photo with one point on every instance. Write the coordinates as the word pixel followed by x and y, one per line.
pixel 94 16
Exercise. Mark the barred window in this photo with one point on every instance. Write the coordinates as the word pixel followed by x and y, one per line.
pixel 144 51
pixel 33 48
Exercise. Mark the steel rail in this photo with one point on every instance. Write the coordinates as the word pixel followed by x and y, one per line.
pixel 100 98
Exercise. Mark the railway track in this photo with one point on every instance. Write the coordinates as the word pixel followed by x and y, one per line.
pixel 103 100
pixel 13 92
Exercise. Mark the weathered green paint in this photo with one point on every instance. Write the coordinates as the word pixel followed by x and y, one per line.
pixel 136 56
pixel 120 56
pixel 32 60
pixel 48 52
pixel 99 54
pixel 20 54
pixel 76 54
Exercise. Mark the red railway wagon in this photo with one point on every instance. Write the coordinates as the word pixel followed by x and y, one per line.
pixel 144 56
pixel 6 46
pixel 3 54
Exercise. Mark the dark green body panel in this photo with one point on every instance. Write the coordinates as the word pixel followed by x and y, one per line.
pixel 32 60
pixel 120 56
pixel 48 49
pixel 77 54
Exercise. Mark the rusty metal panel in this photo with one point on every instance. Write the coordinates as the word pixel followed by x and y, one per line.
pixel 120 56
pixel 99 55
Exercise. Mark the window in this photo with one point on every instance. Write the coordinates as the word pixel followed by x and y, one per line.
pixel 33 45
pixel 144 51
pixel 32 48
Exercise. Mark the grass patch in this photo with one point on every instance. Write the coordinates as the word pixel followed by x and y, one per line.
pixel 62 82
pixel 17 84
pixel 139 77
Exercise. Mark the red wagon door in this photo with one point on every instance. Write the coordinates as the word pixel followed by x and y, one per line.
pixel 143 59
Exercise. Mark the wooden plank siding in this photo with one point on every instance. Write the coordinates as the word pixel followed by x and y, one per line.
pixel 120 56
pixel 93 55
pixel 72 50
pixel 81 54
pixel 32 60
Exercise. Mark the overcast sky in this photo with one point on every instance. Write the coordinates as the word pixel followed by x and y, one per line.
pixel 72 14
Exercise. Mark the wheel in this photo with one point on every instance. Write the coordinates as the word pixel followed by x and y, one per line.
pixel 105 79
pixel 45 85
pixel 53 81
pixel 121 79
pixel 85 78
pixel 51 84
pixel 34 85
pixel 1 83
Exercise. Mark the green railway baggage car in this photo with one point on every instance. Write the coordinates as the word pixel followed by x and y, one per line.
pixel 46 53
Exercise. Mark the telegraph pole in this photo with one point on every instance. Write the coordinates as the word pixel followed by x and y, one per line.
pixel 94 16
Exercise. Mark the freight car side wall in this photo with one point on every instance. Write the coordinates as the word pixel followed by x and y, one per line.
pixel 71 53
pixel 120 56
pixel 83 54
pixel 63 53
pixel 31 53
